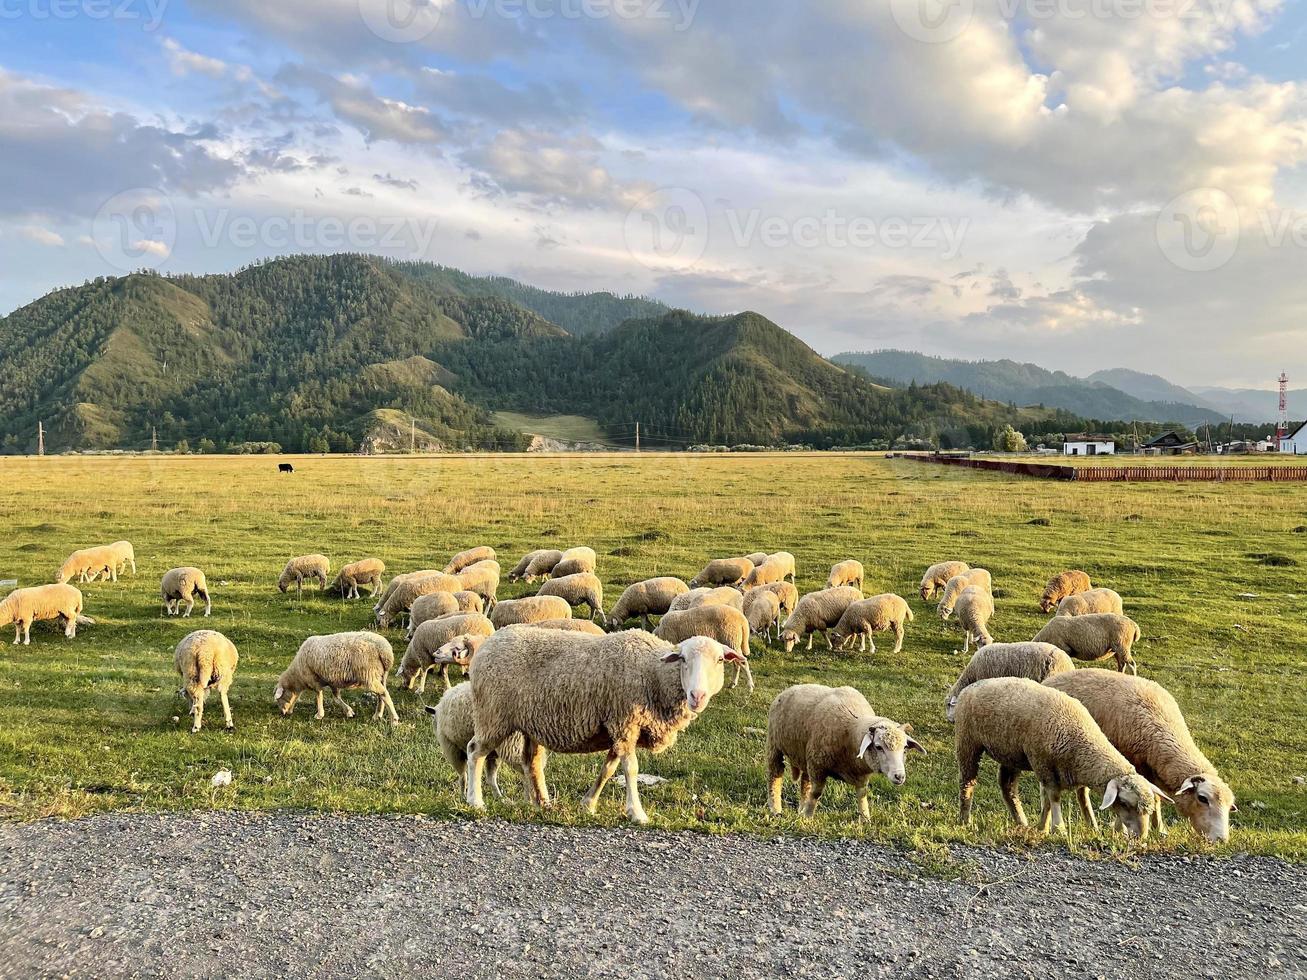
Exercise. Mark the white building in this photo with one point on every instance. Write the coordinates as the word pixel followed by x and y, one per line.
pixel 1084 444
pixel 1296 441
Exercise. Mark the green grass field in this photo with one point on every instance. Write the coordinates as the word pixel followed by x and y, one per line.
pixel 1211 572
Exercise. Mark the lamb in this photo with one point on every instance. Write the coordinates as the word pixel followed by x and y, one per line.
pixel 953 588
pixel 519 570
pixel 724 624
pixel 578 694
pixel 937 576
pixel 126 555
pixel 1024 725
pixel 831 733
pixel 975 608
pixel 183 585
pixel 542 565
pixel 337 662
pixel 205 659
pixel 775 568
pixel 817 611
pixel 1062 585
pixel 470 557
pixel 724 595
pixel 865 617
pixel 1093 637
pixel 847 572
pixel 762 609
pixel 1141 719
pixel 365 571
pixel 786 592
pixel 652 597
pixel 451 719
pixel 1035 661
pixel 723 571
pixel 1093 601
pixel 530 609
pixel 414 585
pixel 428 638
pixel 304 568
pixel 580 588
pixel 574 561
pixel 481 578
pixel 88 564
pixel 23 607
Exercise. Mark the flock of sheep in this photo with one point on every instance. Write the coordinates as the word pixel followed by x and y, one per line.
pixel 542 681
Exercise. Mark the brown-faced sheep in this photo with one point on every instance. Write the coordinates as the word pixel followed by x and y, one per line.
pixel 723 571
pixel 206 659
pixel 529 609
pixel 23 607
pixel 1062 585
pixel 365 571
pixel 418 660
pixel 652 597
pixel 937 576
pixel 183 585
pixel 725 624
pixel 1035 661
pixel 847 572
pixel 863 618
pixel 470 557
pixel 817 611
pixel 978 577
pixel 579 589
pixel 304 568
pixel 338 662
pixel 1093 637
pixel 1093 601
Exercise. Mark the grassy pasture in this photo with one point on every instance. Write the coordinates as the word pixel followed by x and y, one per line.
pixel 1212 573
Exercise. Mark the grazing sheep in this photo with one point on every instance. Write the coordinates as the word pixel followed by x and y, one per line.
pixel 817 611
pixel 1093 637
pixel 338 662
pixel 304 568
pixel 530 609
pixel 451 719
pixel 206 659
pixel 183 585
pixel 762 608
pixel 573 562
pixel 757 557
pixel 774 568
pixel 578 694
pixel 831 733
pixel 1035 661
pixel 786 592
pixel 652 597
pixel 542 565
pixel 396 583
pixel 1093 601
pixel 723 595
pixel 126 555
pixel 1062 585
pixel 519 570
pixel 580 588
pixel 847 572
pixel 431 636
pixel 481 578
pixel 88 564
pixel 432 606
pixel 1141 718
pixel 723 571
pixel 575 625
pixel 937 576
pixel 953 588
pixel 23 607
pixel 1025 726
pixel 407 592
pixel 724 624
pixel 470 557
pixel 975 608
pixel 365 571
pixel 865 617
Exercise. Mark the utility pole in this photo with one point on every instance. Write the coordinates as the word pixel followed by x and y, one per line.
pixel 40 438
pixel 154 438
pixel 412 434
pixel 637 437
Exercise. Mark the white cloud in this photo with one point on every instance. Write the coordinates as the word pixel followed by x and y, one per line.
pixel 40 235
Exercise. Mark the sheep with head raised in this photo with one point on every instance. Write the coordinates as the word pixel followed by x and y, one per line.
pixel 569 693
pixel 762 609
pixel 205 659
pixel 414 585
pixel 651 597
pixel 183 585
pixel 831 733
pixel 722 595
pixel 786 593
pixel 1093 601
pixel 863 618
pixel 365 571
pixel 1028 727
pixel 953 588
pixel 1062 585
pixel 451 719
pixel 937 576
pixel 542 565
pixel 723 571
pixel 1035 661
pixel 579 589
pixel 774 568
pixel 304 568
pixel 419 657
pixel 974 608
pixel 725 624
pixel 1093 637
pixel 125 554
pixel 469 557
pixel 481 578
pixel 574 561
pixel 529 609
pixel 1143 721
pixel 436 604
pixel 817 611
pixel 337 662
pixel 23 607
pixel 847 572
pixel 88 564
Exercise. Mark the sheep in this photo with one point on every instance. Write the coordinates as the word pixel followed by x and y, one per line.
pixel 724 624
pixel 865 617
pixel 1062 585
pixel 775 568
pixel 758 557
pixel 183 585
pixel 88 564
pixel 1025 726
pixel 817 611
pixel 481 578
pixel 574 561
pixel 304 568
pixel 975 608
pixel 652 597
pixel 580 588
pixel 578 694
pixel 429 637
pixel 432 606
pixel 831 733
pixel 1141 718
pixel 530 609
pixel 575 625
pixel 337 662
pixel 1093 601
pixel 23 607
pixel 724 595
pixel 205 659
pixel 723 571
pixel 542 565
pixel 762 609
pixel 1093 637
pixel 451 719
pixel 937 576
pixel 126 555
pixel 470 557
pixel 414 585
pixel 519 570
pixel 365 571
pixel 847 572
pixel 954 587
pixel 1035 661
pixel 786 592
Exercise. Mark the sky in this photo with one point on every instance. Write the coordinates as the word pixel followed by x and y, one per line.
pixel 1080 183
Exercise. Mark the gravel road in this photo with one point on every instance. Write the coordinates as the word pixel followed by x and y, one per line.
pixel 227 894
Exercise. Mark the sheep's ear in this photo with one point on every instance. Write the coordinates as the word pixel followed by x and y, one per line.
pixel 672 656
pixel 1189 785
pixel 430 708
pixel 866 742
pixel 1234 808
pixel 907 728
pixel 1109 795
pixel 913 745
pixel 732 655
pixel 276 695
pixel 1158 793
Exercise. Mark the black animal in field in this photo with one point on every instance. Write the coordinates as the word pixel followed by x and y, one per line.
pixel 285 468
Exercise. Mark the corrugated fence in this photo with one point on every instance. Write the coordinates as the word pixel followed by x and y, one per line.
pixel 1119 474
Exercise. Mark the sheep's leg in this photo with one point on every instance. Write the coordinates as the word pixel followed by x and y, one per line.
pixel 70 626
pixel 1159 820
pixel 634 808
pixel 864 807
pixel 492 773
pixel 968 775
pixel 775 779
pixel 829 645
pixel 1087 807
pixel 606 771
pixel 197 708
pixel 444 675
pixel 27 632
pixel 18 632
pixel 321 712
pixel 1007 784
pixel 226 707
pixel 1052 806
pixel 335 696
pixel 810 641
pixel 477 752
pixel 871 641
pixel 898 637
pixel 533 768
pixel 190 604
pixel 813 796
pixel 208 604
pixel 384 704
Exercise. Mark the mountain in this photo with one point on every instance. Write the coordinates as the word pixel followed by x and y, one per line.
pixel 1148 387
pixel 1029 384
pixel 1253 404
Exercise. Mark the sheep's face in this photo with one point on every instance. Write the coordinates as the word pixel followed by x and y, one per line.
pixel 61 576
pixel 789 638
pixel 946 607
pixel 286 699
pixel 702 664
pixel 1207 802
pixel 927 591
pixel 1131 799
pixel 951 706
pixel 1049 601
pixel 883 749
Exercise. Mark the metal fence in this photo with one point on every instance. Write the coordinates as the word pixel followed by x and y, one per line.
pixel 1121 474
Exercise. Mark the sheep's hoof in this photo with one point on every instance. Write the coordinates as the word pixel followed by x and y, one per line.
pixel 229 728
pixel 637 817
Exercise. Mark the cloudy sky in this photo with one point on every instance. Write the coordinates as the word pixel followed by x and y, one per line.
pixel 1081 183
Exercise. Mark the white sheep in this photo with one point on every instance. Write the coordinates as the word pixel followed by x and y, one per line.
pixel 304 568
pixel 651 597
pixel 579 589
pixel 578 694
pixel 978 577
pixel 725 624
pixel 542 565
pixel 937 576
pixel 402 597
pixel 865 617
pixel 762 609
pixel 574 562
pixel 205 659
pixel 757 557
pixel 1093 637
pixel 572 625
pixel 1093 601
pixel 397 582
pixel 125 554
pixel 817 611
pixel 847 572
pixel 418 660
pixel 470 557
pixel 722 595
pixel 365 571
pixel 831 733
pixel 433 606
pixel 786 593
pixel 974 609
pixel 23 607
pixel 337 662
pixel 88 564
pixel 183 585
pixel 451 719
pixel 1062 585
pixel 529 609
pixel 481 578
pixel 774 568
pixel 723 571
pixel 1035 661
pixel 519 570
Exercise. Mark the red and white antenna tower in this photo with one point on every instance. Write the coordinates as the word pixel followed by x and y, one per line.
pixel 1282 426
